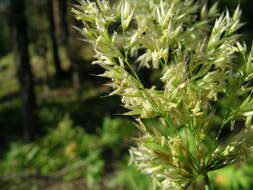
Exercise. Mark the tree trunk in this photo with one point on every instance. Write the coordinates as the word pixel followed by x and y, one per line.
pixel 57 62
pixel 63 10
pixel 24 72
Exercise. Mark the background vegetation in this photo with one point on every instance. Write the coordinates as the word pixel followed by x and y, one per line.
pixel 56 130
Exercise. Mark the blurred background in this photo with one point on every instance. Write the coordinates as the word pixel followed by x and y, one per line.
pixel 57 129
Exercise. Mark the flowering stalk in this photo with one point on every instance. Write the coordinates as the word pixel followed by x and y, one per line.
pixel 207 182
pixel 200 66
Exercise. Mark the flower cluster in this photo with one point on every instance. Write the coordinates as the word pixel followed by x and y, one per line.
pixel 200 62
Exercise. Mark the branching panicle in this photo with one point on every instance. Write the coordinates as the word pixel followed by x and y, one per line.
pixel 201 65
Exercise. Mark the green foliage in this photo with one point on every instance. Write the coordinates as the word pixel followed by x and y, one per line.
pixel 7 69
pixel 238 176
pixel 128 177
pixel 66 153
pixel 64 147
pixel 201 64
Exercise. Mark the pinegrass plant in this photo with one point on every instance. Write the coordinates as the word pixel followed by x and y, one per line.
pixel 198 62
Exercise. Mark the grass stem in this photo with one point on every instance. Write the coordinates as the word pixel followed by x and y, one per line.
pixel 207 182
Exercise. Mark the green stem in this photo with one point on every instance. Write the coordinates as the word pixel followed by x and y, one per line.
pixel 207 182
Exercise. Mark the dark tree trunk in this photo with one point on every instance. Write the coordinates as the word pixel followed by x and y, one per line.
pixel 24 72
pixel 57 62
pixel 63 10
